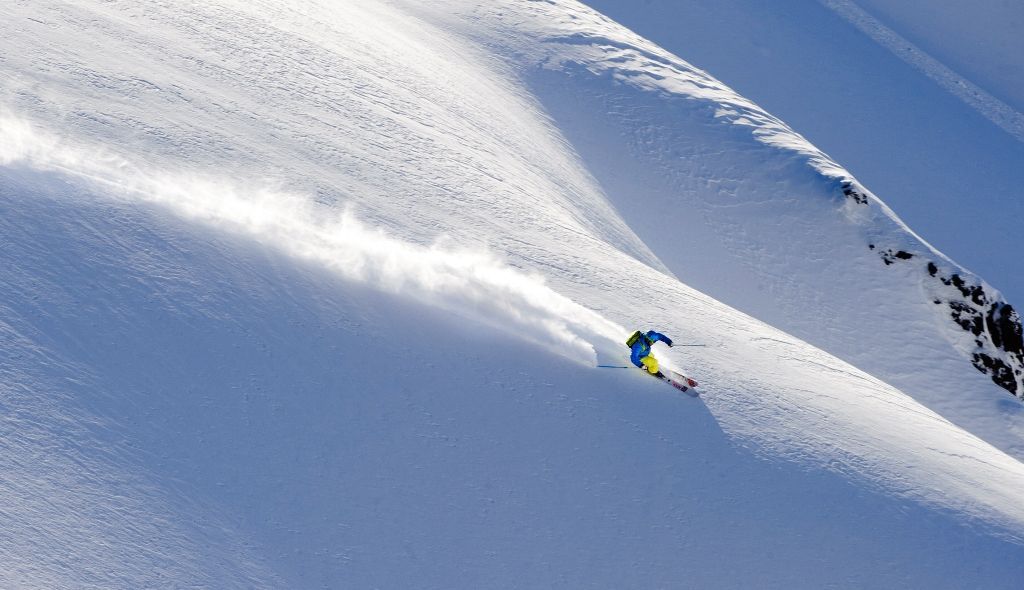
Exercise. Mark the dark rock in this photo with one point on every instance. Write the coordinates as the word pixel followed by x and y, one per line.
pixel 967 317
pixel 1001 354
pixel 974 292
pixel 852 193
pixel 1004 327
pixel 888 257
pixel 1001 373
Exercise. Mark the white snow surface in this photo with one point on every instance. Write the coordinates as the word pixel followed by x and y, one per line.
pixel 310 294
pixel 909 95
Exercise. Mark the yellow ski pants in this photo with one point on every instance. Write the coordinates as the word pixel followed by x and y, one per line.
pixel 650 363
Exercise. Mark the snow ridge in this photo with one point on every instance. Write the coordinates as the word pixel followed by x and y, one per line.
pixel 569 37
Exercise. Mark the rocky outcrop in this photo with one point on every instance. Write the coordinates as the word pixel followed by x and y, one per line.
pixel 994 324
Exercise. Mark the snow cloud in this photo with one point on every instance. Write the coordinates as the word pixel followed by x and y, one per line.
pixel 468 281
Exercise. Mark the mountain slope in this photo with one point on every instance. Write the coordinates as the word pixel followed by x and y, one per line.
pixel 215 413
pixel 404 392
pixel 741 207
pixel 949 172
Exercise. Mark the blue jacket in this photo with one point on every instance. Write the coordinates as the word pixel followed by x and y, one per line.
pixel 642 347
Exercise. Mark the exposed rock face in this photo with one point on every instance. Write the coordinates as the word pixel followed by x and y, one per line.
pixel 853 193
pixel 888 257
pixel 994 323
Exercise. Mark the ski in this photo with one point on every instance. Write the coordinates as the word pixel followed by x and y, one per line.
pixel 680 382
pixel 673 378
pixel 683 378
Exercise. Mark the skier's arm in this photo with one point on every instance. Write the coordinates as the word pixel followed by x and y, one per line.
pixel 656 336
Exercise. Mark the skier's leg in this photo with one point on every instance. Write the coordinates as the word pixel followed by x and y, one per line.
pixel 651 364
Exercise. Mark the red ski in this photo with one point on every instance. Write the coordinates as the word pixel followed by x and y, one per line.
pixel 682 378
pixel 679 381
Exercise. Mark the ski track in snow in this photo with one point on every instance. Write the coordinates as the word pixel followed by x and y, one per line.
pixel 427 149
pixel 1001 114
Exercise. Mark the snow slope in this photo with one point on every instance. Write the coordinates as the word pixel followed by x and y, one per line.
pixel 309 295
pixel 195 408
pixel 950 172
pixel 784 234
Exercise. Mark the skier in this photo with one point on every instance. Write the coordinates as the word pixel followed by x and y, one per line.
pixel 641 356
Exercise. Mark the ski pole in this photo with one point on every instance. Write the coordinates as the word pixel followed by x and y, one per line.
pixel 612 367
